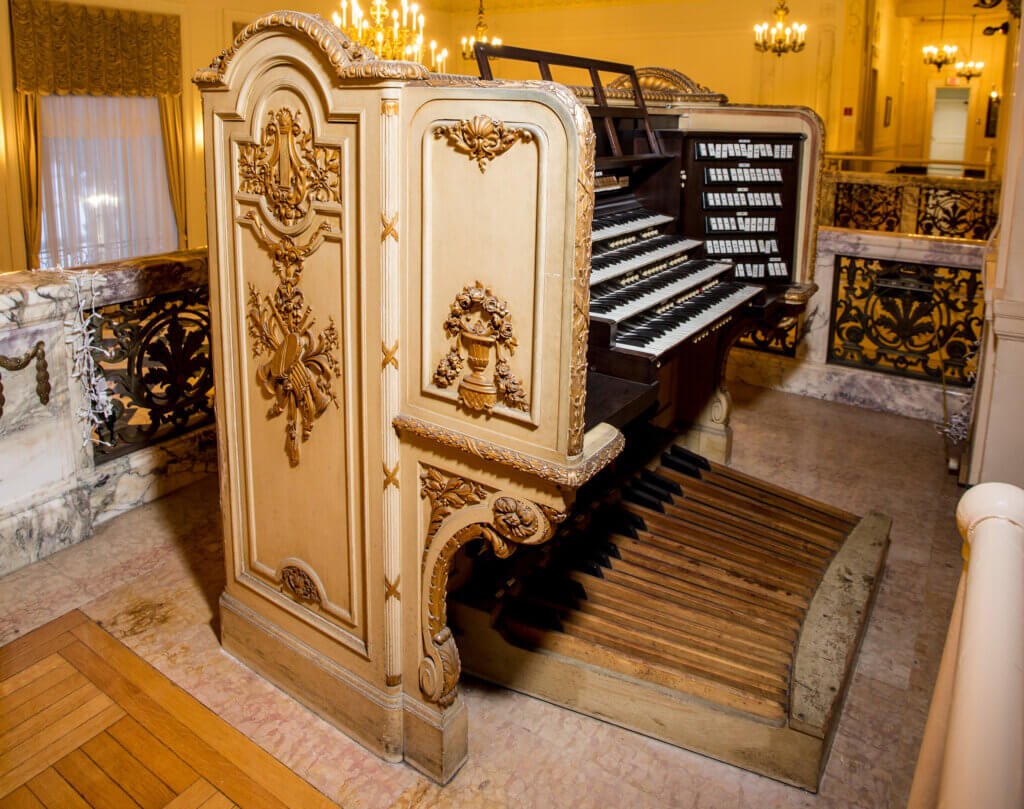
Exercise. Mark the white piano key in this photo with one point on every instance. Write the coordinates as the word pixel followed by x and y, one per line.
pixel 629 227
pixel 637 261
pixel 657 296
pixel 691 326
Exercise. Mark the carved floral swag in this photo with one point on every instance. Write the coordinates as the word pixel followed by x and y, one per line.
pixel 70 49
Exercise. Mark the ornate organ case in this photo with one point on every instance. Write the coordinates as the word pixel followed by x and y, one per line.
pixel 399 270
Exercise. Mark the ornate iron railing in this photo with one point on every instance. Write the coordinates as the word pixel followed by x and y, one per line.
pixel 908 203
pixel 917 320
pixel 153 351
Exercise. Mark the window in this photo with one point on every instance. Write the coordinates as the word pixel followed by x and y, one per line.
pixel 103 181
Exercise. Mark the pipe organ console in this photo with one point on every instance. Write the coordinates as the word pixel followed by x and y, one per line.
pixel 465 321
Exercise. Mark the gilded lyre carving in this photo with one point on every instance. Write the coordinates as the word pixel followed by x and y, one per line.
pixel 483 138
pixel 287 169
pixel 507 521
pixel 479 322
pixel 300 367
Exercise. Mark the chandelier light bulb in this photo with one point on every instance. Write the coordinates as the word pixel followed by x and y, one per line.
pixel 780 38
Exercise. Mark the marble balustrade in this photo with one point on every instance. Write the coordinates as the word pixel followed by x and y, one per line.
pixel 810 373
pixel 958 207
pixel 53 490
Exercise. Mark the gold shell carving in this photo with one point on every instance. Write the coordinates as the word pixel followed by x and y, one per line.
pixel 287 169
pixel 478 323
pixel 483 138
pixel 300 366
pixel 300 585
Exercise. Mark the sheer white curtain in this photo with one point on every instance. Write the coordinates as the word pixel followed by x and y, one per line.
pixel 103 181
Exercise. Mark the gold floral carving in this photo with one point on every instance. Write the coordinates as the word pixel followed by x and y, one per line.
pixel 509 521
pixel 560 474
pixel 478 323
pixel 300 366
pixel 287 169
pixel 482 138
pixel 447 494
pixel 585 141
pixel 300 585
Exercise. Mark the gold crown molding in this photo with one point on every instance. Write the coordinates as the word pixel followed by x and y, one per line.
pixel 349 60
pixel 505 522
pixel 301 367
pixel 482 138
pixel 383 69
pixel 559 474
pixel 287 169
pixel 491 330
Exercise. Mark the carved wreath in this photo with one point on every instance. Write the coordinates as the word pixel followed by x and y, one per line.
pixel 483 138
pixel 478 321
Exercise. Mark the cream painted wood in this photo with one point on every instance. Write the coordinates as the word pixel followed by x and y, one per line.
pixel 338 544
pixel 974 738
pixel 509 227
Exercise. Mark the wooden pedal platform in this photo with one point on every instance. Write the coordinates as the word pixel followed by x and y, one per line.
pixel 694 604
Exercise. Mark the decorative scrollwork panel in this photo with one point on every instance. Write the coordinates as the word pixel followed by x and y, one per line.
pixel 955 212
pixel 155 355
pixel 287 169
pixel 772 340
pixel 868 207
pixel 914 320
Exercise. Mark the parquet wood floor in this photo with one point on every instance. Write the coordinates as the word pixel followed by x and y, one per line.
pixel 86 723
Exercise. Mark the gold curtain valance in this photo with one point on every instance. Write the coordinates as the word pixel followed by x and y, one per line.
pixel 64 48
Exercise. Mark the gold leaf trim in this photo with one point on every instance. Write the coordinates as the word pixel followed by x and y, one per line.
pixel 349 59
pixel 390 355
pixel 390 227
pixel 390 476
pixel 391 588
pixel 559 474
pixel 483 138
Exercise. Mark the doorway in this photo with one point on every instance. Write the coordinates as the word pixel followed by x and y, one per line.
pixel 949 129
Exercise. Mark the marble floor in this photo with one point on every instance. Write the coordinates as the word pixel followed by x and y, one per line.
pixel 153 575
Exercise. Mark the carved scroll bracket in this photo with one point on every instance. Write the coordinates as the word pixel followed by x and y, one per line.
pixel 483 138
pixel 478 323
pixel 503 521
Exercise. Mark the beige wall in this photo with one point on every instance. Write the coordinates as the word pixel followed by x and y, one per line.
pixel 706 39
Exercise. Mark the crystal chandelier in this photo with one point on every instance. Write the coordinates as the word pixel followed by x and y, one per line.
pixel 940 57
pixel 479 35
pixel 779 38
pixel 969 70
pixel 390 33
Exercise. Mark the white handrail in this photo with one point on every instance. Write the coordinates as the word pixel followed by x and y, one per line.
pixel 972 754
